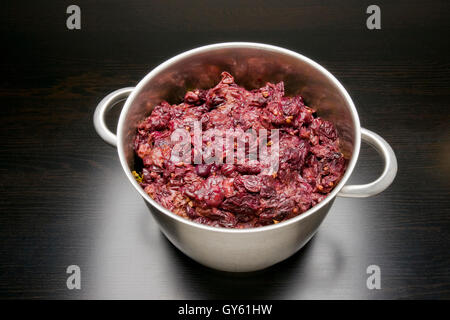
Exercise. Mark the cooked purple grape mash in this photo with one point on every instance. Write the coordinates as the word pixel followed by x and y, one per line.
pixel 240 195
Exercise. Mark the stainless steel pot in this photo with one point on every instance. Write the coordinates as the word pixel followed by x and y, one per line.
pixel 252 64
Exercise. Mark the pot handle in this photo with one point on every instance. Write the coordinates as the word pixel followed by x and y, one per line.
pixel 386 178
pixel 102 108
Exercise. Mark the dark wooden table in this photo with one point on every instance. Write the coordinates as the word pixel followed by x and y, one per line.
pixel 65 200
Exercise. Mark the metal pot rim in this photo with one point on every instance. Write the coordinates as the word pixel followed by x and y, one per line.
pixel 266 47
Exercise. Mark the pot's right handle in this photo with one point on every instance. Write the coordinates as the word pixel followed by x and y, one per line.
pixel 102 108
pixel 386 178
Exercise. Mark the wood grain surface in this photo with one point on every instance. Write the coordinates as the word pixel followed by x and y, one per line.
pixel 65 200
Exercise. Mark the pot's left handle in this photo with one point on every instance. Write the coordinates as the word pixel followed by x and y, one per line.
pixel 102 108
